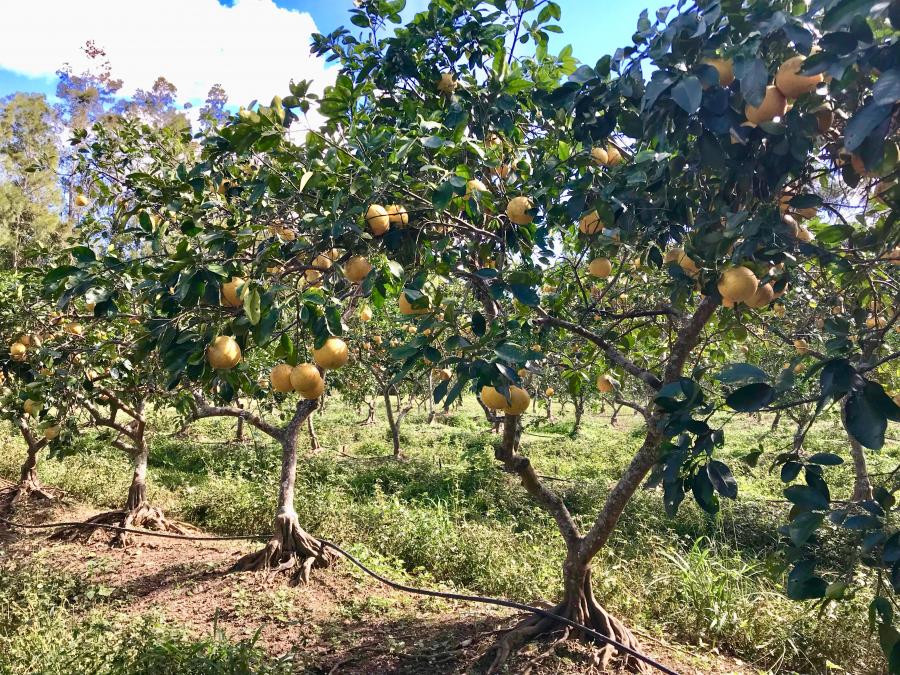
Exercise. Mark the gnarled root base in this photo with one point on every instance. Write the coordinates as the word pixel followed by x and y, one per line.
pixel 586 611
pixel 17 495
pixel 143 516
pixel 291 550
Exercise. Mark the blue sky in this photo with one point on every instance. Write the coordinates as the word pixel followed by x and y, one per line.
pixel 253 47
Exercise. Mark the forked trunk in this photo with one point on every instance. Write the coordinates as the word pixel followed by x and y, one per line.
pixel 291 549
pixel 578 603
pixel 29 484
pixel 138 512
pixel 28 476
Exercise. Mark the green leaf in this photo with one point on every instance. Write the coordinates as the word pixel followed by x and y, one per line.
pixel 735 373
pixel 863 522
pixel 887 90
pixel 806 497
pixel 754 77
pixel 844 12
pixel 512 352
pixel 751 397
pixel 702 489
pixel 252 306
pixel 59 273
pixel 83 254
pixel 442 195
pixel 834 234
pixel 688 93
pixel 802 584
pixel 527 295
pixel 866 119
pixel 722 479
pixel 479 326
pixel 865 418
pixel 880 400
pixel 825 459
pixel 802 527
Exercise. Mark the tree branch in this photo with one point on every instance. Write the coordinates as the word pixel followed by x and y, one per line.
pixel 505 451
pixel 613 354
pixel 202 409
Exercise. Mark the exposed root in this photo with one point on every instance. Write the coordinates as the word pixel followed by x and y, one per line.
pixel 144 516
pixel 586 611
pixel 18 494
pixel 291 550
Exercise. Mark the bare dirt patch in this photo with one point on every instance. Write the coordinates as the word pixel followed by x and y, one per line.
pixel 342 622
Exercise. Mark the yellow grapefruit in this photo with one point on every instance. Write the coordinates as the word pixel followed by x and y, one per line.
pixel 590 223
pixel 600 268
pixel 791 83
pixel 224 353
pixel 230 296
pixel 307 381
pixel 738 284
pixel 378 219
pixel 333 354
pixel 773 105
pixel 517 210
pixel 280 377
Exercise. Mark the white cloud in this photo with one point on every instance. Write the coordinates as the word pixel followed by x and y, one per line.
pixel 253 48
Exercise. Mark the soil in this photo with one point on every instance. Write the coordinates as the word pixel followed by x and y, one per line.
pixel 342 622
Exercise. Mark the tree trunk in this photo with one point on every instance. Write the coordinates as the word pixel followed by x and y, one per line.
pixel 138 512
pixel 430 398
pixel 137 492
pixel 550 411
pixel 862 485
pixel 581 549
pixel 313 438
pixel 615 415
pixel 291 549
pixel 28 477
pixel 394 423
pixel 370 415
pixel 579 412
pixel 578 603
pixel 29 484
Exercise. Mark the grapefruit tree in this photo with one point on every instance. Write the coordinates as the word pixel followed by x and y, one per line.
pixel 448 154
pixel 704 172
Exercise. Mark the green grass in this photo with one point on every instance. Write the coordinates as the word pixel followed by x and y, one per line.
pixel 449 517
pixel 53 622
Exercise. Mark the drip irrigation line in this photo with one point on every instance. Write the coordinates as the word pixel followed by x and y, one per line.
pixel 498 602
pixel 146 533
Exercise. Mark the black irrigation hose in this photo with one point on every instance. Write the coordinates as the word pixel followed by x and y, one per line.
pixel 146 533
pixel 393 584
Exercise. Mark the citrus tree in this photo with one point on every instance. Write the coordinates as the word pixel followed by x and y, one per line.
pixel 702 172
pixel 665 211
pixel 33 408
